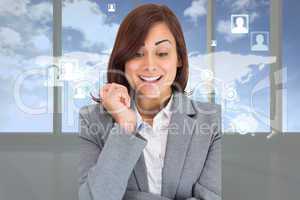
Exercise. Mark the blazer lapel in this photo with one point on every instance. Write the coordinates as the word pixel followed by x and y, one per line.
pixel 140 173
pixel 179 136
pixel 140 170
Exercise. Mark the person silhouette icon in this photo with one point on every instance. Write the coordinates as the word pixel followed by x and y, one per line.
pixel 67 71
pixel 111 7
pixel 259 45
pixel 239 25
pixel 80 93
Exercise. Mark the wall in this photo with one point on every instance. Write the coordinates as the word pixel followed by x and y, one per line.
pixel 45 167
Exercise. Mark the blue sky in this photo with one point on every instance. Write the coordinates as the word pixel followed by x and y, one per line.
pixel 291 44
pixel 88 34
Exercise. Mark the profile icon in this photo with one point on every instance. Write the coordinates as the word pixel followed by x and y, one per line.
pixel 111 7
pixel 68 69
pixel 259 41
pixel 50 82
pixel 82 89
pixel 80 93
pixel 239 24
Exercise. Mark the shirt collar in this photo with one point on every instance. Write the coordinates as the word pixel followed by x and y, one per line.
pixel 166 111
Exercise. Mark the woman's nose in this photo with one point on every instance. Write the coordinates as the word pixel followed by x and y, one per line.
pixel 150 64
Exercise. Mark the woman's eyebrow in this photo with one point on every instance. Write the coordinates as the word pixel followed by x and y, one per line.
pixel 161 41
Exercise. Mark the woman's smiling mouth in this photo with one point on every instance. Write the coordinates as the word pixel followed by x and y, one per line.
pixel 150 79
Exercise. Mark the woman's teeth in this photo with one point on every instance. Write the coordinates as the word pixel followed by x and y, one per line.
pixel 150 79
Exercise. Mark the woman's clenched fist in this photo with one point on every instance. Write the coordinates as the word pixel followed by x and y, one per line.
pixel 116 100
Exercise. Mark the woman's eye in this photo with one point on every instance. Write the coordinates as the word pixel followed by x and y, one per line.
pixel 138 55
pixel 162 54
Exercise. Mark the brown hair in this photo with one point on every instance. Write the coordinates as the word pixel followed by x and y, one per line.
pixel 131 35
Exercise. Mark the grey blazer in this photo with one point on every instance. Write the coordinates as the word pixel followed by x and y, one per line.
pixel 112 165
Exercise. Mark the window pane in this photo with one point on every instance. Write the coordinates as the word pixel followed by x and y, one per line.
pixel 88 35
pixel 291 43
pixel 194 27
pixel 242 62
pixel 25 51
pixel 89 30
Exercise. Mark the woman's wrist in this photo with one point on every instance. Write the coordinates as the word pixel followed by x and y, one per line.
pixel 126 120
pixel 128 126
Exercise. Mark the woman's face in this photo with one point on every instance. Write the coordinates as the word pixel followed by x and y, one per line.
pixel 153 69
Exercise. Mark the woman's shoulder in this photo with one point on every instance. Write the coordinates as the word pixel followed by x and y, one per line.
pixel 206 107
pixel 211 112
pixel 199 106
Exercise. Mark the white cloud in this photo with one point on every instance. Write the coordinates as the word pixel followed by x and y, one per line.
pixel 91 64
pixel 233 67
pixel 244 123
pixel 241 4
pixel 25 30
pixel 24 33
pixel 10 39
pixel 15 7
pixel 42 61
pixel 229 68
pixel 41 12
pixel 9 67
pixel 196 10
pixel 86 17
pixel 41 42
pixel 245 5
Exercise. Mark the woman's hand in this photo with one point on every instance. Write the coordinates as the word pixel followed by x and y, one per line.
pixel 116 101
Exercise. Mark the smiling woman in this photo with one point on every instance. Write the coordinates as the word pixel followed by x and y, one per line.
pixel 145 139
pixel 130 43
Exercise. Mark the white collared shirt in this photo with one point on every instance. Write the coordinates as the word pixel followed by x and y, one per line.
pixel 155 150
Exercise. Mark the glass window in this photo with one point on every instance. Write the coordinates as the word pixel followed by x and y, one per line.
pixel 25 55
pixel 89 31
pixel 237 70
pixel 241 63
pixel 290 50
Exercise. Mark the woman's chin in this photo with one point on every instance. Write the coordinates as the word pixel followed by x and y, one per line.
pixel 149 92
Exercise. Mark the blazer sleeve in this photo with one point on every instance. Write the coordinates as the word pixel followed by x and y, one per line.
pixel 104 169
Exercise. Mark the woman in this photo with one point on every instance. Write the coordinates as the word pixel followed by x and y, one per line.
pixel 145 139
